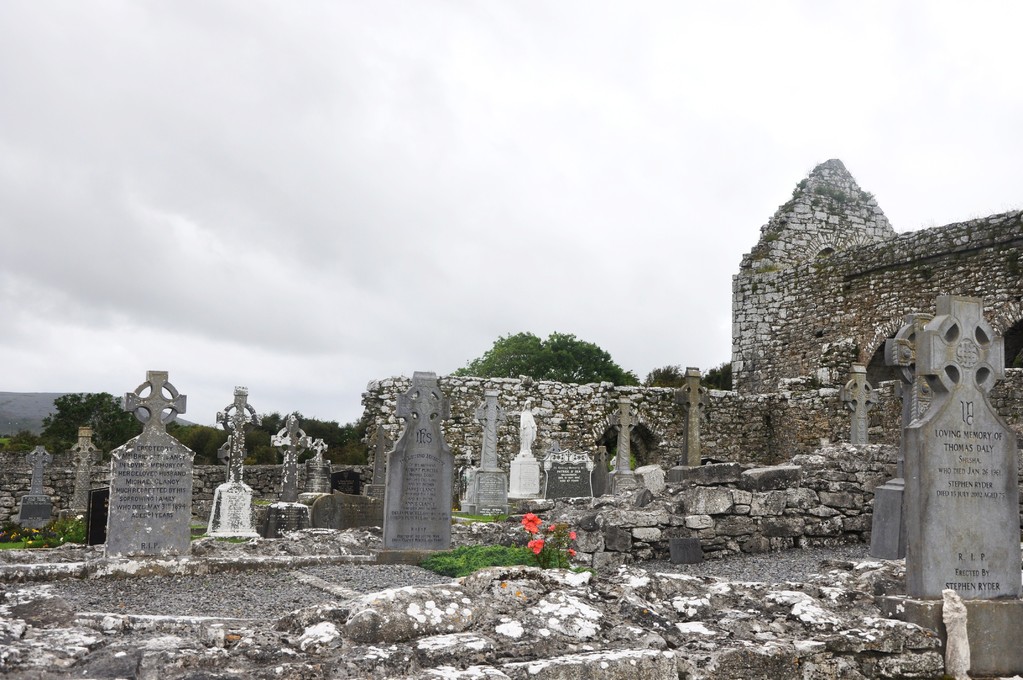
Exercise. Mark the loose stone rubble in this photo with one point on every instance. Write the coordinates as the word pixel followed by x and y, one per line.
pixel 501 622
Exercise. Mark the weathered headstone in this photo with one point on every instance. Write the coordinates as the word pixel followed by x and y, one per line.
pixel 375 489
pixel 567 474
pixel 491 481
pixel 288 514
pixel 524 469
pixel 888 533
pixel 962 498
pixel 150 507
pixel 600 478
pixel 85 454
pixel 345 511
pixel 232 501
pixel 859 397
pixel 36 506
pixel 346 481
pixel 96 516
pixel 693 398
pixel 417 500
pixel 317 469
pixel 623 479
pixel 467 503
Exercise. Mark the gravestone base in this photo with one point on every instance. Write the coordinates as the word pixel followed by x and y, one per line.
pixel 403 556
pixel 524 474
pixel 992 627
pixel 467 508
pixel 347 511
pixel 887 538
pixel 491 493
pixel 283 516
pixel 35 511
pixel 232 511
pixel 622 482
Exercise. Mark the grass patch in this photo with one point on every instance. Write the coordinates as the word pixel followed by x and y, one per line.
pixel 467 559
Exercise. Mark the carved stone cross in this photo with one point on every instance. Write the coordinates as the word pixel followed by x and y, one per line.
pixel 961 349
pixel 489 414
pixel 900 352
pixel 156 409
pixel 625 418
pixel 859 397
pixel 292 441
pixel 234 418
pixel 423 407
pixel 694 400
pixel 38 458
pixel 319 446
pixel 380 457
pixel 85 455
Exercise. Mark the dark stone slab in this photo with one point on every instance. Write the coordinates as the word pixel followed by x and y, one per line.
pixel 346 481
pixel 346 511
pixel 600 479
pixel 491 492
pixel 96 516
pixel 282 517
pixel 567 475
pixel 35 511
pixel 887 533
pixel 705 475
pixel 771 478
pixel 44 612
pixel 685 550
pixel 617 539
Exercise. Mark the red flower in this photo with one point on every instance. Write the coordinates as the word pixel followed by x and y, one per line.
pixel 531 523
pixel 571 535
pixel 571 552
pixel 536 545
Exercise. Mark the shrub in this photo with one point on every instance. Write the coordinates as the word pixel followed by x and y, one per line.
pixel 465 560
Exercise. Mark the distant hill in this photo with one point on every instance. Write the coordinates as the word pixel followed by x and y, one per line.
pixel 25 410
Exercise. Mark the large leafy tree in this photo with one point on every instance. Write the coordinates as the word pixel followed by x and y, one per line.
pixel 561 357
pixel 111 424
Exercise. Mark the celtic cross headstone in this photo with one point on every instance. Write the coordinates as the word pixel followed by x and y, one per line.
pixel 375 489
pixel 888 534
pixel 232 501
pixel 623 478
pixel 859 397
pixel 85 455
pixel 317 469
pixel 150 506
pixel 693 398
pixel 491 481
pixel 36 507
pixel 417 499
pixel 288 514
pixel 962 497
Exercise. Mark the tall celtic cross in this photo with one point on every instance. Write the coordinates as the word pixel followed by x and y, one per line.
pixel 85 454
pixel 489 414
pixel 624 478
pixel 380 456
pixel 234 418
pixel 694 400
pixel 84 448
pixel 38 458
pixel 319 446
pixel 859 397
pixel 159 407
pixel 292 441
pixel 900 352
pixel 423 407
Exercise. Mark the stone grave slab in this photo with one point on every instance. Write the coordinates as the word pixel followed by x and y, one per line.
pixel 96 516
pixel 317 469
pixel 600 479
pixel 962 498
pixel 346 511
pixel 346 481
pixel 150 506
pixel 417 499
pixel 491 481
pixel 383 445
pixel 36 506
pixel 567 474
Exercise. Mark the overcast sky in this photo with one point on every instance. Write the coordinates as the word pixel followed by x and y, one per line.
pixel 301 197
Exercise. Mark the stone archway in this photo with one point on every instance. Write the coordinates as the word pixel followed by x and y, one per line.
pixel 643 443
pixel 1013 339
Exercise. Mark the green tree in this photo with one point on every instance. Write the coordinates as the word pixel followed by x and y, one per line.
pixel 344 442
pixel 719 377
pixel 203 439
pixel 111 425
pixel 561 357
pixel 666 376
pixel 24 440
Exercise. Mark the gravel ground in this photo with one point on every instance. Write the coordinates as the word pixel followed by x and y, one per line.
pixel 270 594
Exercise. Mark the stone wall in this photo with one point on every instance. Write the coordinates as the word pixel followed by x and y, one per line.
pixel 763 429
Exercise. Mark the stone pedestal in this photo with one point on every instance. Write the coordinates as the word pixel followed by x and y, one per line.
pixel 232 511
pixel 992 627
pixel 524 476
pixel 887 535
pixel 283 516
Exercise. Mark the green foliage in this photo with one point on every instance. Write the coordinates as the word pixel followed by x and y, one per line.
pixel 561 357
pixel 22 441
pixel 837 195
pixel 666 376
pixel 551 547
pixel 57 532
pixel 465 560
pixel 202 439
pixel 344 442
pixel 111 425
pixel 719 377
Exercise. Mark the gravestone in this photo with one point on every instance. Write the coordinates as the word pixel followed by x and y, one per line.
pixel 317 469
pixel 36 506
pixel 344 511
pixel 600 478
pixel 375 489
pixel 96 516
pixel 524 469
pixel 288 514
pixel 567 474
pixel 623 478
pixel 85 454
pixel 693 398
pixel 859 397
pixel 150 506
pixel 417 500
pixel 491 482
pixel 232 501
pixel 962 498
pixel 346 481
pixel 888 534
pixel 468 501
